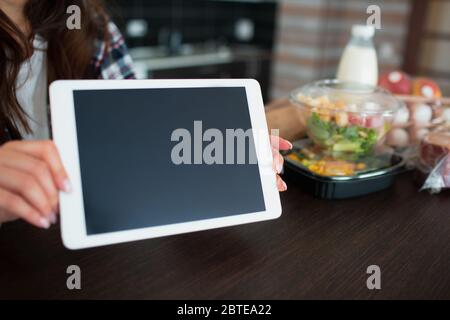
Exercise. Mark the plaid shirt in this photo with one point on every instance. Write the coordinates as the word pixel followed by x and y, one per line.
pixel 113 62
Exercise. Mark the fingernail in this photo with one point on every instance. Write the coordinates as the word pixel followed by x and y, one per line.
pixel 53 218
pixel 290 146
pixel 279 167
pixel 44 223
pixel 284 186
pixel 67 187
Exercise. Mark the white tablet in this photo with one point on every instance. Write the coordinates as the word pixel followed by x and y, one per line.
pixel 151 158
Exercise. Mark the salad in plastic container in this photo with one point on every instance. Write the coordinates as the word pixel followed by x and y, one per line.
pixel 345 117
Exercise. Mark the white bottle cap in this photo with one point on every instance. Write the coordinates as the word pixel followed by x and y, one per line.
pixel 363 31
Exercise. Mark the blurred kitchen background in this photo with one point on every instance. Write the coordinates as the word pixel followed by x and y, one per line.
pixel 283 43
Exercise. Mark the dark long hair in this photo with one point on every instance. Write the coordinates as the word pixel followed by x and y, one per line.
pixel 69 52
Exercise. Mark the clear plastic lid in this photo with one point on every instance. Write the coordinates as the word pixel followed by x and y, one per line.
pixel 346 96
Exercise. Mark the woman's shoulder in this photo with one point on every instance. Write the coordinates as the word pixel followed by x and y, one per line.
pixel 111 58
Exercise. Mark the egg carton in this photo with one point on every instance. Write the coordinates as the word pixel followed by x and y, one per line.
pixel 417 119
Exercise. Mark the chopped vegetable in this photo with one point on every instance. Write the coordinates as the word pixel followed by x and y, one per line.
pixel 339 138
pixel 331 164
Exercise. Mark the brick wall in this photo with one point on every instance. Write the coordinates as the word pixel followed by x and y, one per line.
pixel 311 35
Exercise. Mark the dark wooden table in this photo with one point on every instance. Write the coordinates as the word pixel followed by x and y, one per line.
pixel 317 249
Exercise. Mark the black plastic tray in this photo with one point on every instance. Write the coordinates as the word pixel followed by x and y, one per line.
pixel 343 187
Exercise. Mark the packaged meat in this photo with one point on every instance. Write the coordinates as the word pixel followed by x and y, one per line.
pixel 435 156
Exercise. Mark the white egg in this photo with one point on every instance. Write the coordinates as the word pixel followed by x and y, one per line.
pixel 398 138
pixel 446 114
pixel 422 114
pixel 418 134
pixel 401 117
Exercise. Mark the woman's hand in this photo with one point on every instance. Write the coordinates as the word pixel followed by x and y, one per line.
pixel 31 175
pixel 278 160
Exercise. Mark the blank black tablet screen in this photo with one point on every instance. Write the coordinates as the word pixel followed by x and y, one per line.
pixel 129 178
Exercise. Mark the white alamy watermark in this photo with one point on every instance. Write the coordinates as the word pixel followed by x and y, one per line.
pixel 374 19
pixel 73 281
pixel 73 22
pixel 374 280
pixel 221 147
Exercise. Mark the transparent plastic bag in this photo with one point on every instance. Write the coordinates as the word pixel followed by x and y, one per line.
pixel 439 177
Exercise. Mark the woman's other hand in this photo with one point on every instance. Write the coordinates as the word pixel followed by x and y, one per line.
pixel 278 160
pixel 31 176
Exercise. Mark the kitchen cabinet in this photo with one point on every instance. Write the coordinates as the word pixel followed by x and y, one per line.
pixel 255 66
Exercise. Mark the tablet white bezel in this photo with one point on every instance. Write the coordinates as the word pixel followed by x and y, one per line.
pixel 64 130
